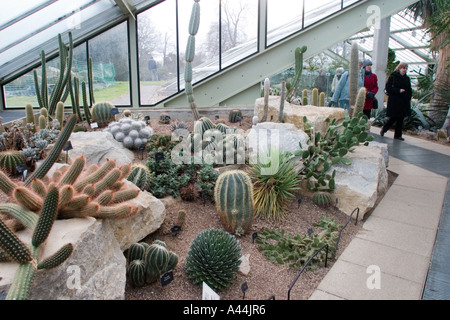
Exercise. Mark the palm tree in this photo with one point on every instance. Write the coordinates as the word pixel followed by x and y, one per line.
pixel 435 14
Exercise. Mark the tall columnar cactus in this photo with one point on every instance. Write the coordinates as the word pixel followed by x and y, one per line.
pixel 10 160
pixel 27 256
pixel 140 175
pixel 213 258
pixel 233 194
pixel 360 102
pixel 322 99
pixel 354 73
pixel 305 97
pixel 298 71
pixel 315 97
pixel 51 158
pixel 65 63
pixel 266 99
pixel 194 24
pixel 91 80
pixel 146 263
pixel 282 100
pixel 101 113
pixel 29 116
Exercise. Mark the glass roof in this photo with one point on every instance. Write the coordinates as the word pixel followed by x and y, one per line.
pixel 407 39
pixel 29 26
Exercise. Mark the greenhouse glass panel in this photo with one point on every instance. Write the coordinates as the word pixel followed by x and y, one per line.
pixel 157 47
pixel 319 9
pixel 349 2
pixel 284 17
pixel 109 53
pixel 16 9
pixel 239 30
pixel 20 92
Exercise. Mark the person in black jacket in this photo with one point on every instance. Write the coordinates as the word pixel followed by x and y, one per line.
pixel 398 88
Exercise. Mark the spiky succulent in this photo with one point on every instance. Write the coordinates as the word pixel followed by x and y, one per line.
pixel 213 258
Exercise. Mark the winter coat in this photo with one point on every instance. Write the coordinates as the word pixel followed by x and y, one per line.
pixel 399 104
pixel 343 88
pixel 371 85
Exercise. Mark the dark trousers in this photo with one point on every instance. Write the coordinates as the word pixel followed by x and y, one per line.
pixel 368 113
pixel 398 126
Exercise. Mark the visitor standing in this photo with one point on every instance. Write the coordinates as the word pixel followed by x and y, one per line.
pixel 337 77
pixel 153 68
pixel 398 89
pixel 371 85
pixel 341 96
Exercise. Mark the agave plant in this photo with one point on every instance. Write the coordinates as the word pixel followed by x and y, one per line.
pixel 213 258
pixel 274 183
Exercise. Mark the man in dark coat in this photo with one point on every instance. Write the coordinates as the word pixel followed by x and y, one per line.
pixel 398 88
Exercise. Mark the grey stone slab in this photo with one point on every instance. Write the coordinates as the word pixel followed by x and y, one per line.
pixel 399 235
pixel 350 281
pixel 390 260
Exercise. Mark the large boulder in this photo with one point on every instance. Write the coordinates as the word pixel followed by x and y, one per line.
pixel 96 146
pixel 286 136
pixel 96 270
pixel 294 113
pixel 152 213
pixel 363 182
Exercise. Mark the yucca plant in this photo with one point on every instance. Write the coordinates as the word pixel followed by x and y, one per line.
pixel 274 183
pixel 213 258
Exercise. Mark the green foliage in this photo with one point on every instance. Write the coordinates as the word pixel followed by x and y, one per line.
pixel 273 187
pixel 296 250
pixel 213 258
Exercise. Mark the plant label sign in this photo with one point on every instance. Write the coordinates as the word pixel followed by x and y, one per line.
pixel 166 278
pixel 208 293
pixel 94 125
pixel 114 111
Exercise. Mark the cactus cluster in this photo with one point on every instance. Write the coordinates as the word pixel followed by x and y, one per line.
pixel 97 192
pixel 133 134
pixel 233 195
pixel 296 250
pixel 213 258
pixel 146 263
pixel 329 149
pixel 27 255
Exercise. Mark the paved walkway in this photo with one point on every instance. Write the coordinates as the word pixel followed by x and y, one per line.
pixel 402 251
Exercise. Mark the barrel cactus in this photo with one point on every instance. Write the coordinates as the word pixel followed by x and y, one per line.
pixel 140 175
pixel 233 195
pixel 147 262
pixel 164 118
pixel 322 199
pixel 10 160
pixel 101 113
pixel 234 115
pixel 213 258
pixel 132 133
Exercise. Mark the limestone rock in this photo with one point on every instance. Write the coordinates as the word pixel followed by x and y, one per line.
pixel 363 182
pixel 94 271
pixel 294 113
pixel 97 146
pixel 244 267
pixel 152 213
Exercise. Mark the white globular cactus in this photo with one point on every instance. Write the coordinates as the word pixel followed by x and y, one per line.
pixel 132 133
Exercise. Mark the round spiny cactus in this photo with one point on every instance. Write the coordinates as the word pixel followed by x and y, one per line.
pixel 136 271
pixel 213 258
pixel 140 175
pixel 101 113
pixel 322 198
pixel 10 160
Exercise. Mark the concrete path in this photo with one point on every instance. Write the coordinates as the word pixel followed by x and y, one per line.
pixel 402 251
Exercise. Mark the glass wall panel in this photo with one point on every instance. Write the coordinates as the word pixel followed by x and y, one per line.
pixel 319 9
pixel 206 60
pixel 239 30
pixel 284 17
pixel 349 2
pixel 20 92
pixel 157 49
pixel 109 53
